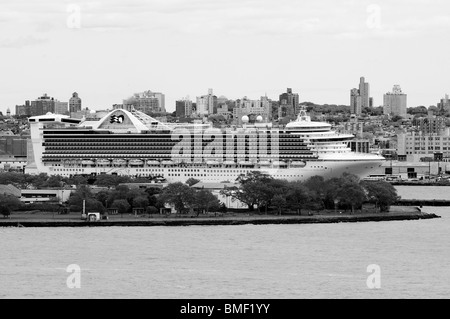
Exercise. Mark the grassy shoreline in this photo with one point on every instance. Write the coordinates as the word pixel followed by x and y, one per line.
pixel 74 220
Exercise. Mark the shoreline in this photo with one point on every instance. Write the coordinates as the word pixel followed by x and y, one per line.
pixel 219 221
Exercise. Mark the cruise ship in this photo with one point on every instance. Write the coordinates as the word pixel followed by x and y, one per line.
pixel 129 142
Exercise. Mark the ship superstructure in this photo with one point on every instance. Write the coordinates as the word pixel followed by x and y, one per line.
pixel 133 143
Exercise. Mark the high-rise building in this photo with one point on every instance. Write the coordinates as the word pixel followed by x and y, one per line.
pixel 207 104
pixel 444 105
pixel 245 106
pixel 74 103
pixel 184 107
pixel 147 102
pixel 24 110
pixel 289 104
pixel 395 102
pixel 364 91
pixel 162 101
pixel 355 102
pixel 360 98
pixel 43 105
pixel 61 107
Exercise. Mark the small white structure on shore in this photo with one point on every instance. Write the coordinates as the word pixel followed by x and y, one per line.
pixel 215 189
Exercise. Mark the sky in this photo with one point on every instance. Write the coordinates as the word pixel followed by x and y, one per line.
pixel 106 50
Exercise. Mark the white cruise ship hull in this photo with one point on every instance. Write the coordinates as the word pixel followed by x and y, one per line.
pixel 327 169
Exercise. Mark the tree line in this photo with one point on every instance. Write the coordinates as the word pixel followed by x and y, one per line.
pixel 261 191
pixel 257 190
pixel 181 196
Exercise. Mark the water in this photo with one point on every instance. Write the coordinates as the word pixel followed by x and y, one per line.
pixel 270 261
pixel 283 261
pixel 424 192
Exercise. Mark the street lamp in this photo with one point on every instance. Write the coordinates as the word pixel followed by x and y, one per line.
pixel 336 202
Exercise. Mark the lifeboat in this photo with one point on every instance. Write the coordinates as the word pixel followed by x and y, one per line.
pixel 264 163
pixel 136 162
pixel 119 162
pixel 298 164
pixel 87 162
pixel 279 163
pixel 153 163
pixel 212 163
pixel 168 163
pixel 245 163
pixel 103 162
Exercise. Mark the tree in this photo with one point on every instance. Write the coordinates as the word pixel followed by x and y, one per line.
pixel 254 176
pixel 134 193
pixel 433 108
pixel 111 180
pixel 396 118
pixel 279 201
pixel 346 190
pixel 120 192
pixel 268 190
pixel 152 210
pixel 204 201
pixel 53 182
pixel 5 211
pixel 241 194
pixel 84 194
pixel 351 194
pixel 381 193
pixel 93 205
pixel 39 180
pixel 179 195
pixel 10 202
pixel 252 189
pixel 121 205
pixel 76 180
pixel 223 208
pixel 297 196
pixel 140 202
pixel 317 189
pixel 152 195
pixel 102 197
pixel 370 128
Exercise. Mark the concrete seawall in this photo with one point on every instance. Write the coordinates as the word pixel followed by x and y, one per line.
pixel 423 202
pixel 222 221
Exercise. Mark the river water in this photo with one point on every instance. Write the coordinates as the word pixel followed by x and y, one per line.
pixel 424 192
pixel 270 261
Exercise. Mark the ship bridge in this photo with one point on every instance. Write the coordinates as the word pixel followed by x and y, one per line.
pixel 304 124
pixel 54 118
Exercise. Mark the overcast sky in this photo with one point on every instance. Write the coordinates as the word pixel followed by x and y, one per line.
pixel 107 50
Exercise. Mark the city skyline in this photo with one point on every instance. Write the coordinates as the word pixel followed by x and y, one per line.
pixel 108 50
